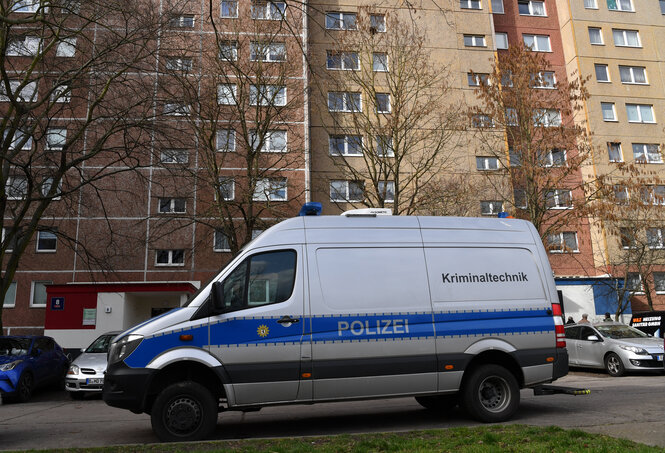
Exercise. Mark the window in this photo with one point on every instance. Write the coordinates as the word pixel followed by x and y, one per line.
pixel 662 6
pixel 491 207
pixel 274 95
pixel 26 46
pixel 380 62
pixel 609 114
pixel 531 8
pixel 339 101
pixel 482 120
pixel 515 158
pixel 519 196
pixel 626 38
pixel 633 74
pixel 176 109
pixel 229 9
pixel 654 194
pixel 602 73
pixel 45 188
pixel 474 40
pixel 273 141
pixel 179 64
pixel 345 145
pixel 16 187
pixel 184 21
pixel 270 189
pixel 619 5
pixel 268 10
pixel 377 23
pixel 174 257
pixel 20 140
pixel 469 4
pixel 220 242
pixel 501 40
pixel 614 152
pixel 553 158
pixel 545 80
pixel 559 199
pixel 66 48
pixel 270 52
pixel 497 6
pixel 634 282
pixel 547 118
pixel 511 117
pixel 596 36
pixel 487 163
pixel 228 50
pixel 349 191
pixel 38 294
pixel 172 205
pixel 565 242
pixel 56 138
pixel 26 6
pixel 620 194
pixel 648 153
pixel 174 156
pixel 340 21
pixel 10 296
pixel 627 237
pixel 387 191
pixel 12 241
pixel 382 103
pixel 28 93
pixel 342 60
pixel 476 79
pixel 384 146
pixel 264 278
pixel 537 43
pixel 227 188
pixel 640 113
pixel 47 241
pixel 591 4
pixel 226 94
pixel 226 140
pixel 61 94
pixel 659 280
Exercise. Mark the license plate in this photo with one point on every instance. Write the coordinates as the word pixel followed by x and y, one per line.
pixel 93 381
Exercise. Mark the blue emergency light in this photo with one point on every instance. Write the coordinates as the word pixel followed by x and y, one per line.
pixel 311 208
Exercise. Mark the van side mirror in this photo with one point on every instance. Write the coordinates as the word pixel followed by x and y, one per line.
pixel 217 297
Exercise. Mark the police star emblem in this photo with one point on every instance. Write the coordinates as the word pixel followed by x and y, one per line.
pixel 263 331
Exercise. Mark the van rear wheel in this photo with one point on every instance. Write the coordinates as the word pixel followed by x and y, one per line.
pixel 490 394
pixel 185 411
pixel 438 403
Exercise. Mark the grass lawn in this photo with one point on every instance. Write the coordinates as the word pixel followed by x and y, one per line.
pixel 497 438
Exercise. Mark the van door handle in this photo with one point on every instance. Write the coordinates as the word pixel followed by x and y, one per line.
pixel 287 320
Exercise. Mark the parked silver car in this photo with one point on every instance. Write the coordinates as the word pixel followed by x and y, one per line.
pixel 613 346
pixel 86 373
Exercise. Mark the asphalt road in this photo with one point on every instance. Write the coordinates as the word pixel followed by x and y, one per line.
pixel 631 407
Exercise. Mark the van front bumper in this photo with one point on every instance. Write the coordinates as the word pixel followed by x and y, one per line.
pixel 126 387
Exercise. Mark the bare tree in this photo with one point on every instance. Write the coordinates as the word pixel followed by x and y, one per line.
pixel 77 112
pixel 392 124
pixel 523 107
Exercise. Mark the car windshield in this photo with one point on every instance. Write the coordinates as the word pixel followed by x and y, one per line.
pixel 619 332
pixel 14 346
pixel 101 344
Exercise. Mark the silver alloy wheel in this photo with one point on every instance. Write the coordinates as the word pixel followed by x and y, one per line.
pixel 183 415
pixel 613 365
pixel 494 393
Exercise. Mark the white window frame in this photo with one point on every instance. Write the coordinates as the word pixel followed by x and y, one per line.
pixel 531 9
pixel 599 35
pixel 382 108
pixel 380 62
pixel 482 120
pixel 537 41
pixel 51 237
pixel 18 136
pixel 623 34
pixel 345 185
pixel 632 70
pixel 477 79
pixel 389 150
pixel 591 4
pixel 26 46
pixel 544 77
pixel 216 234
pixel 268 189
pixel 559 197
pixel 228 9
pixel 33 292
pixel 172 204
pixel 176 109
pixel 501 40
pixel 561 242
pixel 225 144
pixel 227 93
pixel 620 7
pixel 344 59
pixel 27 6
pixel 170 262
pixel 348 105
pixel 470 4
pixel 346 139
pixel 639 109
pixel 548 118
pixel 11 186
pixel 607 72
pixel 487 163
pixel 61 133
pixel 268 10
pixel 61 94
pixel 474 41
pixel 495 207
pixel 659 277
pixel 27 94
pixel 229 185
pixel 603 109
pixel 611 146
pixel 389 190
pixel 643 150
pixel 639 290
pixel 340 20
pixel 377 23
pixel 66 48
pixel 228 50
pixel 267 95
pixel 170 156
pixel 10 290
pixel 621 194
pixel 548 160
pixel 183 21
pixel 269 139
pixel 184 64
pixel 273 52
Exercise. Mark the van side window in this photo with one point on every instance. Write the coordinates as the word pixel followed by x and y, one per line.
pixel 264 278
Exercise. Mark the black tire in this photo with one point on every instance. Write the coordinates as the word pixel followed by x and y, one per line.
pixel 439 403
pixel 185 411
pixel 76 396
pixel 26 384
pixel 490 394
pixel 614 365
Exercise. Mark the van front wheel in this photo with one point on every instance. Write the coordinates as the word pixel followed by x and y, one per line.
pixel 185 411
pixel 491 394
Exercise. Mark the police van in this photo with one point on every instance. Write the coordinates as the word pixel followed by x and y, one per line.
pixel 331 308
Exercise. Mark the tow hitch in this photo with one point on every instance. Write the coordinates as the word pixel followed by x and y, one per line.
pixel 557 389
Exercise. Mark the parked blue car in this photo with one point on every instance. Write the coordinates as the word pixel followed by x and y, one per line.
pixel 28 363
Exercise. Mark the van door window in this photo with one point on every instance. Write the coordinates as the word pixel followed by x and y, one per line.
pixel 264 278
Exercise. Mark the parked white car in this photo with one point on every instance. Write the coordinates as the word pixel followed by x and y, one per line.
pixel 614 347
pixel 86 373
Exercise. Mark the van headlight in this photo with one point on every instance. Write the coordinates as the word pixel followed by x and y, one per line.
pixel 120 350
pixel 634 349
